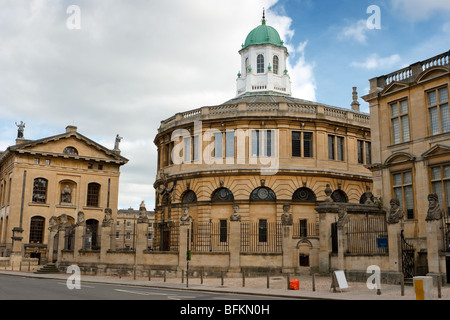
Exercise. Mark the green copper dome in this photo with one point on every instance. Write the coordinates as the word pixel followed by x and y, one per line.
pixel 263 34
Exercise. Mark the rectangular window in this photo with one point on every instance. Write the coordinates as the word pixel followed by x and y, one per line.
pixel 255 143
pixel 403 191
pixel 440 180
pixel 187 149
pixel 195 147
pixel 229 148
pixel 296 144
pixel 223 230
pixel 303 228
pixel 400 121
pixel 439 111
pixel 364 152
pixel 268 143
pixel 307 145
pixel 262 228
pixel 336 148
pixel 331 148
pixel 218 145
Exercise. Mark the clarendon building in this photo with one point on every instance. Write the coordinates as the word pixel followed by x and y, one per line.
pixel 410 121
pixel 62 180
pixel 260 157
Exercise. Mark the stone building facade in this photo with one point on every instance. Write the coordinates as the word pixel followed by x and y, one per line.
pixel 51 181
pixel 410 123
pixel 262 155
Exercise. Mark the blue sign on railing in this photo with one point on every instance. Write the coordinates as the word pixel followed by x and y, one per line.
pixel 382 243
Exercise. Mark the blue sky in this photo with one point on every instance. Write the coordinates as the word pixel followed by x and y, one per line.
pixel 131 64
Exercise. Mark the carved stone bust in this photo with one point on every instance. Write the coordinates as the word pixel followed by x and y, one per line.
pixel 235 216
pixel 80 219
pixel 185 218
pixel 286 217
pixel 395 213
pixel 107 220
pixel 435 211
pixel 342 216
pixel 143 218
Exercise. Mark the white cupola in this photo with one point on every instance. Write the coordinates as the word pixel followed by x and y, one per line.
pixel 263 63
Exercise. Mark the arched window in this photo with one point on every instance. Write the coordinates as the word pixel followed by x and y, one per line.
pixel 70 150
pixel 189 197
pixel 37 229
pixel 303 194
pixel 260 63
pixel 275 64
pixel 93 195
pixel 40 190
pixel 263 193
pixel 246 66
pixel 339 196
pixel 222 194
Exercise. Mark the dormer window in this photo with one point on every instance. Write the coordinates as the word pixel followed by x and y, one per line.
pixel 70 150
pixel 260 63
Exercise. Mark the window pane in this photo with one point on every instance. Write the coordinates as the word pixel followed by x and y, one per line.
pixel 437 188
pixel 447 195
pixel 255 143
pixel 434 120
pixel 432 98
pixel 394 110
pixel 331 147
pixel 262 230
pixel 275 64
pixel 218 145
pixel 445 118
pixel 407 178
pixel 368 153
pixel 196 147
pixel 436 173
pixel 443 95
pixel 398 195
pixel 307 145
pixel 405 128
pixel 340 148
pixel 268 144
pixel 447 172
pixel 296 144
pixel 404 107
pixel 260 63
pixel 409 202
pixel 360 151
pixel 187 149
pixel 397 179
pixel 395 130
pixel 230 144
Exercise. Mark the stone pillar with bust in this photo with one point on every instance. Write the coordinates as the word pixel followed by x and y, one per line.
pixel 287 247
pixel 395 227
pixel 80 229
pixel 434 229
pixel 184 240
pixel 235 240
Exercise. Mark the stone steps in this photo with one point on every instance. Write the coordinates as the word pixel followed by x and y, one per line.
pixel 48 268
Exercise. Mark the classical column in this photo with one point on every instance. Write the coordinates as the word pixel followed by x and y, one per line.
pixel 325 245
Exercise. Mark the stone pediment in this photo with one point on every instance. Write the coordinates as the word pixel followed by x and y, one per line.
pixel 436 151
pixel 432 73
pixel 393 87
pixel 69 145
pixel 399 157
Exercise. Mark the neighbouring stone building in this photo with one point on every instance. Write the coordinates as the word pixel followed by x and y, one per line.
pixel 52 181
pixel 410 123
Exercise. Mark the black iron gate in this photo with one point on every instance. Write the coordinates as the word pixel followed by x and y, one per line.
pixel 408 252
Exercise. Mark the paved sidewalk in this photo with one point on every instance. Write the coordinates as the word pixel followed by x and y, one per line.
pixel 256 286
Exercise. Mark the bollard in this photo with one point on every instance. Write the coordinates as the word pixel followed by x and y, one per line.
pixel 439 284
pixel 201 276
pixel 423 287
pixel 268 281
pixel 221 275
pixel 149 274
pixel 288 280
pixel 243 279
pixel 165 276
pixel 313 282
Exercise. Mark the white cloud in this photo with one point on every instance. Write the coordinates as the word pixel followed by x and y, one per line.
pixel 417 10
pixel 357 32
pixel 302 75
pixel 374 61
